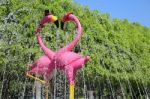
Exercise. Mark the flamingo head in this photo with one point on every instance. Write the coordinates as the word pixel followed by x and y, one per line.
pixel 48 17
pixel 65 18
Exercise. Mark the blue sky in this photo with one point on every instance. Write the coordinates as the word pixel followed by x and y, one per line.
pixel 133 10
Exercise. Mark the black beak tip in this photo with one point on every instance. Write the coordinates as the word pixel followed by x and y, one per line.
pixel 56 23
pixel 62 25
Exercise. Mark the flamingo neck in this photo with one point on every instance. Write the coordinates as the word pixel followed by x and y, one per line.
pixel 46 51
pixel 79 33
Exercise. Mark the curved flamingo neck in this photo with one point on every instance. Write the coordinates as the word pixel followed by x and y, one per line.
pixel 70 46
pixel 78 26
pixel 46 50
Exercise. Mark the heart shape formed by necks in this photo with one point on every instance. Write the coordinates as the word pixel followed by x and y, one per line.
pixel 64 59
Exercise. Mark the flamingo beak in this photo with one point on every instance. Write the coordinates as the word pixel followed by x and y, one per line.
pixel 55 20
pixel 56 23
pixel 62 23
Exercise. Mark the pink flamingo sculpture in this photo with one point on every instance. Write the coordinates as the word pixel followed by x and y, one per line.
pixel 41 65
pixel 63 59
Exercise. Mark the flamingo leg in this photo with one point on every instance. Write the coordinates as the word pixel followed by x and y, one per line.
pixel 70 76
pixel 71 96
pixel 36 78
pixel 71 70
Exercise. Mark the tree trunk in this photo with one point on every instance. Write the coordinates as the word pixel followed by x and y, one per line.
pixel 38 90
pixel 5 90
pixel 91 95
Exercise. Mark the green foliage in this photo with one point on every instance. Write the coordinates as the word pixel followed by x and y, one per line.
pixel 118 49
